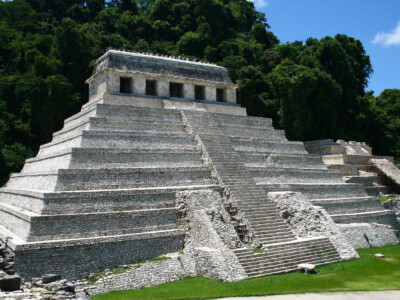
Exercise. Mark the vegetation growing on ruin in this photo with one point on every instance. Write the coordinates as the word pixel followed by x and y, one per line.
pixel 384 199
pixel 313 89
pixel 365 274
pixel 122 269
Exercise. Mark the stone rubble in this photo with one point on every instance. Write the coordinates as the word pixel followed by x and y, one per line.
pixel 307 220
pixel 393 204
pixel 210 235
pixel 388 168
pixel 49 286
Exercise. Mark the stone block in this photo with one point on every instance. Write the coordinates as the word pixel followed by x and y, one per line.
pixel 10 283
pixel 47 278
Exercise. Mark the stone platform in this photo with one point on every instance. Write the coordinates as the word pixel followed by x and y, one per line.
pixel 104 191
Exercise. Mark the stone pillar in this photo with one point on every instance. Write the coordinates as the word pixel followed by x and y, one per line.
pixel 211 93
pixel 113 83
pixel 163 88
pixel 230 95
pixel 188 91
pixel 139 85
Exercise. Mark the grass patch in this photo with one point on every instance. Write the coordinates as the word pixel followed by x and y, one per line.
pixel 383 199
pixel 257 250
pixel 161 258
pixel 365 274
pixel 105 273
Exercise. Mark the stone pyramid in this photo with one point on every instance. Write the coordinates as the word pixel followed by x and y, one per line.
pixel 103 192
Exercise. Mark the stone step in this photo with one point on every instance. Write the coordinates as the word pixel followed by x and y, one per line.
pixel 276 227
pixel 317 191
pixel 74 202
pixel 262 133
pixel 380 216
pixel 123 112
pixel 303 161
pixel 119 125
pixel 91 179
pixel 288 267
pixel 327 248
pixel 260 213
pixel 366 180
pixel 276 235
pixel 89 158
pixel 33 228
pixel 78 118
pixel 349 205
pixel 224 119
pixel 291 175
pixel 275 239
pixel 135 126
pixel 377 190
pixel 297 244
pixel 265 146
pixel 349 159
pixel 354 169
pixel 285 258
pixel 261 219
pixel 119 139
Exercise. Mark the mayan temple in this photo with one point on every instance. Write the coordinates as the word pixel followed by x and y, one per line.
pixel 135 173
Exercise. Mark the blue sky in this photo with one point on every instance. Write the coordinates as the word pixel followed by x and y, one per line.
pixel 376 23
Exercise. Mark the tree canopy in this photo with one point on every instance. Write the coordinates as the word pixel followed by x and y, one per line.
pixel 313 89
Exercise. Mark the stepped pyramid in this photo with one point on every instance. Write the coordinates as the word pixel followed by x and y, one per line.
pixel 103 192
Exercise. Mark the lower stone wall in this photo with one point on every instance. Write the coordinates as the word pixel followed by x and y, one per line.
pixel 364 235
pixel 138 276
pixel 84 259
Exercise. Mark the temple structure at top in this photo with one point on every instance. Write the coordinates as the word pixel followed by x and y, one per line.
pixel 168 82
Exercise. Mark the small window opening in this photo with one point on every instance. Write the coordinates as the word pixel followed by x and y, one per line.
pixel 199 92
pixel 151 88
pixel 221 95
pixel 125 85
pixel 176 90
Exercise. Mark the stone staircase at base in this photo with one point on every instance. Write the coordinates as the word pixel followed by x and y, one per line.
pixel 285 257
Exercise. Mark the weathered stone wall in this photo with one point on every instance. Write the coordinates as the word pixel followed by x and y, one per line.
pixel 91 256
pixel 145 275
pixel 364 235
pixel 388 168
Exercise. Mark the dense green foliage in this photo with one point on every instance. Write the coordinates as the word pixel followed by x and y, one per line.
pixel 313 90
pixel 365 274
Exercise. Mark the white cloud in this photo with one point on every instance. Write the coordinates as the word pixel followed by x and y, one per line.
pixel 259 3
pixel 388 39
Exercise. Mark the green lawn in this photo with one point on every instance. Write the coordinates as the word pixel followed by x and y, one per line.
pixel 365 274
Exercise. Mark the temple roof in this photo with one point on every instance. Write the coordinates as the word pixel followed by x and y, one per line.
pixel 161 66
